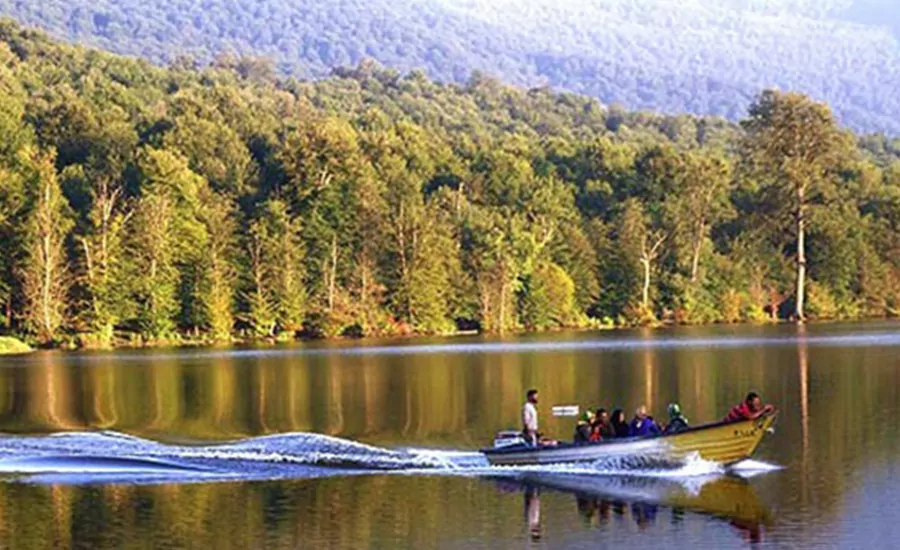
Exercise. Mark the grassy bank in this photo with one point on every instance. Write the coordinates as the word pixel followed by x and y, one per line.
pixel 12 346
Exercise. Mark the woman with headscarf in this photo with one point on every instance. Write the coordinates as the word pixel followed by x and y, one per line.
pixel 619 424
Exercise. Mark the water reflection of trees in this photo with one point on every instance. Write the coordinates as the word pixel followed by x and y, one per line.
pixel 431 398
pixel 331 513
pixel 827 397
pixel 340 512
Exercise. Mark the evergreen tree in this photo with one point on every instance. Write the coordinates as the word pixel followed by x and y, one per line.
pixel 429 280
pixel 217 260
pixel 168 240
pixel 547 298
pixel 152 241
pixel 277 259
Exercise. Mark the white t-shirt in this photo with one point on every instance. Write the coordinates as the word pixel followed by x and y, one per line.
pixel 530 417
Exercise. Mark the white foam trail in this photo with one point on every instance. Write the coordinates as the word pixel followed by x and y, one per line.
pixel 475 464
pixel 451 460
pixel 751 468
pixel 303 454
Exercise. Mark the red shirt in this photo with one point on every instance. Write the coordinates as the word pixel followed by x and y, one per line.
pixel 739 412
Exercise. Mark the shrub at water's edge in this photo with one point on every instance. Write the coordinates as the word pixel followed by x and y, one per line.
pixel 12 346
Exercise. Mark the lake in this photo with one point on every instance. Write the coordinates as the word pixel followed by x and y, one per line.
pixel 126 449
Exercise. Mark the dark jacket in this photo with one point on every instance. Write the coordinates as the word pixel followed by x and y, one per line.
pixel 643 427
pixel 677 424
pixel 582 432
pixel 620 429
pixel 606 429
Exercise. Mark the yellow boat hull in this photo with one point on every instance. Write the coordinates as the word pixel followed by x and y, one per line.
pixel 724 443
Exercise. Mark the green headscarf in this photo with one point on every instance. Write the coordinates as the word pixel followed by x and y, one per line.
pixel 674 410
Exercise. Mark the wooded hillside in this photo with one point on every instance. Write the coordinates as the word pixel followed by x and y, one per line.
pixel 141 202
pixel 701 56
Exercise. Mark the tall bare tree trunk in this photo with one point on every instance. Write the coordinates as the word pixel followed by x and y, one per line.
pixel 503 303
pixel 698 247
pixel 645 291
pixel 648 256
pixel 332 282
pixel 47 281
pixel 801 257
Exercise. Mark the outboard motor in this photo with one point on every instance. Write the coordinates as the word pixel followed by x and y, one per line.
pixel 508 438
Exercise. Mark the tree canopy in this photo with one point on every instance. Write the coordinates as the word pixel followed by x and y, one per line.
pixel 146 204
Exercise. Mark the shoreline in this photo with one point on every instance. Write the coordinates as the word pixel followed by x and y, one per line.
pixel 18 347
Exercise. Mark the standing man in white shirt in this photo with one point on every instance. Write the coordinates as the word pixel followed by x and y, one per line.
pixel 530 418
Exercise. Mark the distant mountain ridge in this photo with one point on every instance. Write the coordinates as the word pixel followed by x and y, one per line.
pixel 697 56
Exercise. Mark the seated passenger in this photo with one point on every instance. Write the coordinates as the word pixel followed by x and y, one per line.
pixel 602 427
pixel 677 421
pixel 749 409
pixel 583 428
pixel 618 423
pixel 642 424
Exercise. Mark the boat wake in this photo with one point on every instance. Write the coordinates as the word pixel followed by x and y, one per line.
pixel 107 457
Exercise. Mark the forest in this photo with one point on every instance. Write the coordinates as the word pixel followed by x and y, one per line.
pixel 143 205
pixel 706 57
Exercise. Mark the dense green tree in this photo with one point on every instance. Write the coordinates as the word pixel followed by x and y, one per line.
pixel 168 241
pixel 217 288
pixel 276 251
pixel 548 298
pixel 700 202
pixel 796 144
pixel 152 243
pixel 15 135
pixel 213 149
pixel 430 278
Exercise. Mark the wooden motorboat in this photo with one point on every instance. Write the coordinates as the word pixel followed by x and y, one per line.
pixel 721 442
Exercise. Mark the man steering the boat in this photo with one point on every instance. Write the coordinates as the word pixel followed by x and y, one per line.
pixel 530 418
pixel 750 409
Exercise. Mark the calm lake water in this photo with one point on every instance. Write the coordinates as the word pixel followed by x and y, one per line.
pixel 828 477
